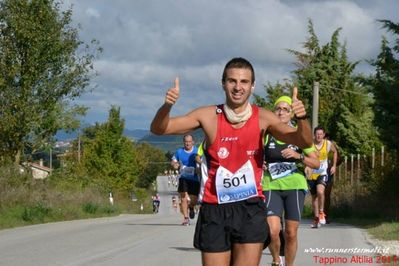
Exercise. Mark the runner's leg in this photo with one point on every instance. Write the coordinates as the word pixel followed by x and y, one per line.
pixel 247 254
pixel 184 204
pixel 320 197
pixel 216 258
pixel 274 246
pixel 291 241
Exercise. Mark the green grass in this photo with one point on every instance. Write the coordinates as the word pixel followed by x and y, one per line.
pixel 42 212
pixel 385 230
pixel 24 201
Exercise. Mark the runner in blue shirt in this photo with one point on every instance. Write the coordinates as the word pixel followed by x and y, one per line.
pixel 184 160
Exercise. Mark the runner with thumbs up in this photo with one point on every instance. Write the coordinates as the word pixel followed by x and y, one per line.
pixel 284 184
pixel 231 226
pixel 173 93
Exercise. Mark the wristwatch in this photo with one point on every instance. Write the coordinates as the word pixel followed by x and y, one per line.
pixel 301 157
pixel 302 117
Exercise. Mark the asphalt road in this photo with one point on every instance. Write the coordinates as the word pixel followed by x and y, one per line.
pixel 158 239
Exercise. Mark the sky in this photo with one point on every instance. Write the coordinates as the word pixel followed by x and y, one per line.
pixel 148 43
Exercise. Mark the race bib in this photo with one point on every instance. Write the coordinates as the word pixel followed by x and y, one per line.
pixel 238 186
pixel 187 171
pixel 322 170
pixel 281 169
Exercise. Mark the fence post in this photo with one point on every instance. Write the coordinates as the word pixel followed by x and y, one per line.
pixel 352 156
pixel 372 158
pixel 382 155
pixel 346 167
pixel 358 167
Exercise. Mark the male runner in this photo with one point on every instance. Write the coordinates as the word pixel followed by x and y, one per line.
pixel 184 159
pixel 318 179
pixel 231 226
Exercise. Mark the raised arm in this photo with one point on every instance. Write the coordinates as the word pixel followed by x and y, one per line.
pixel 163 124
pixel 302 135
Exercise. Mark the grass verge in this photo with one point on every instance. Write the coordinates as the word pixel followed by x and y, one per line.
pixel 24 201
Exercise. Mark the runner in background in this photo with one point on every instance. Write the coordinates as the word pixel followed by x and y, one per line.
pixel 174 203
pixel 318 178
pixel 284 186
pixel 156 202
pixel 330 182
pixel 184 160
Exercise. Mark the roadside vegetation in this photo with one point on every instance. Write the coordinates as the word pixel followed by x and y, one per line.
pixel 371 203
pixel 27 201
pixel 44 67
pixel 360 114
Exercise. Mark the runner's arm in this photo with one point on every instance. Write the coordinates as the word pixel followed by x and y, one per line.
pixel 335 158
pixel 300 136
pixel 163 124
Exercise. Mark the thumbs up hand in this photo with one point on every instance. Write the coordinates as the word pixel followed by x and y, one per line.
pixel 173 93
pixel 297 106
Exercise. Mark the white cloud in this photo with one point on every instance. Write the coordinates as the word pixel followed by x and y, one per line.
pixel 147 43
pixel 91 12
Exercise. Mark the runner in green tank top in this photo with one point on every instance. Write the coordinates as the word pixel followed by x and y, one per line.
pixel 284 186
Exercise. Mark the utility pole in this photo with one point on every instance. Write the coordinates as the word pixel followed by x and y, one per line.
pixel 79 146
pixel 315 113
pixel 51 159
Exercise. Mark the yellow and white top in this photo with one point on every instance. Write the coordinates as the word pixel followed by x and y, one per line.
pixel 323 158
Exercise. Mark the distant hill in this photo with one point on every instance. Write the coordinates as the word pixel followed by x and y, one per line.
pixel 171 142
pixel 63 136
pixel 165 143
pixel 136 134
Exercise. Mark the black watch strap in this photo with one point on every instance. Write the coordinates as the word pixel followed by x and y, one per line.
pixel 301 117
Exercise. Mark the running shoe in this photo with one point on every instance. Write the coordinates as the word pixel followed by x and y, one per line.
pixel 186 221
pixel 191 212
pixel 316 224
pixel 282 261
pixel 322 217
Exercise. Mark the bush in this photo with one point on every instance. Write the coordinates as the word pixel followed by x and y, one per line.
pixel 36 213
pixel 90 208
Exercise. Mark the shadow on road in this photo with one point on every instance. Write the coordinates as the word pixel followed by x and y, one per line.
pixel 186 249
pixel 177 225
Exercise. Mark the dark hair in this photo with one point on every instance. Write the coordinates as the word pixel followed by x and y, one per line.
pixel 238 62
pixel 319 128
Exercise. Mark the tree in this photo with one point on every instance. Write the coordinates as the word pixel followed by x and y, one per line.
pixel 115 162
pixel 43 67
pixel 109 157
pixel 154 163
pixel 344 106
pixel 385 84
pixel 273 92
pixel 345 109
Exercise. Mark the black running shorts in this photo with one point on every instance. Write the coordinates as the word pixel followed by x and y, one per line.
pixel 189 186
pixel 321 180
pixel 289 201
pixel 219 226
